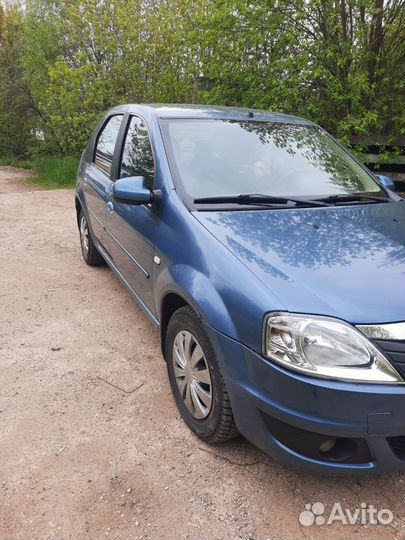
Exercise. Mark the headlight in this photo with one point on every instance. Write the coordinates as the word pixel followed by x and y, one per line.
pixel 325 347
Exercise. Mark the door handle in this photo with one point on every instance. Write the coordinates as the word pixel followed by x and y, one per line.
pixel 110 207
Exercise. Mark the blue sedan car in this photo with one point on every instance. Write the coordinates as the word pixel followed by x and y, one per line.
pixel 271 261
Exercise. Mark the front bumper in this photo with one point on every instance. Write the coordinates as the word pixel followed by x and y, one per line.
pixel 284 413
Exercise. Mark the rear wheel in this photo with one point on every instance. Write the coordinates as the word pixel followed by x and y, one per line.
pixel 196 380
pixel 89 251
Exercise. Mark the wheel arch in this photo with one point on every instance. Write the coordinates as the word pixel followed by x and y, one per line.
pixel 78 206
pixel 195 290
pixel 171 302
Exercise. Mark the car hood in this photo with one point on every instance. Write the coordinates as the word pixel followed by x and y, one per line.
pixel 342 261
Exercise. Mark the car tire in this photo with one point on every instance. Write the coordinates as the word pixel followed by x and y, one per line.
pixel 196 380
pixel 89 251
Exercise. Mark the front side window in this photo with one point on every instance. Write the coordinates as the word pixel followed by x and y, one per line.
pixel 106 143
pixel 213 158
pixel 137 156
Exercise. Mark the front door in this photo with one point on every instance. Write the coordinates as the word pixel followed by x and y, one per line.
pixel 134 228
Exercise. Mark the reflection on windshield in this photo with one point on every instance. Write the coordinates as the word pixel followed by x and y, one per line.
pixel 222 157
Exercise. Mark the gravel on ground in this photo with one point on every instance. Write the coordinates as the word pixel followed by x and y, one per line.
pixel 92 445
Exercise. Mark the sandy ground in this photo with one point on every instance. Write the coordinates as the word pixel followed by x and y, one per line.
pixel 91 443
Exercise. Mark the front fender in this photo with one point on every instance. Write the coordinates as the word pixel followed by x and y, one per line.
pixel 198 291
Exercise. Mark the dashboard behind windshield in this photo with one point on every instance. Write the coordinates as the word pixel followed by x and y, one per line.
pixel 215 157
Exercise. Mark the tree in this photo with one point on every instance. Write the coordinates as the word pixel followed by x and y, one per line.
pixel 15 122
pixel 340 63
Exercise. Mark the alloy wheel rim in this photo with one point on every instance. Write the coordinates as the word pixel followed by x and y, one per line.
pixel 84 235
pixel 192 374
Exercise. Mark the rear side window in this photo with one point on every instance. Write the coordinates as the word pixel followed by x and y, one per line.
pixel 106 144
pixel 137 156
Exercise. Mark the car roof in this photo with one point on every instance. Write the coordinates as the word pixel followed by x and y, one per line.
pixel 166 111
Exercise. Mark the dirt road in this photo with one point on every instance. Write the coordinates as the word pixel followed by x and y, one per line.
pixel 91 443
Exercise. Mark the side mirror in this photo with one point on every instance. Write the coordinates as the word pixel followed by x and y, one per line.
pixel 386 181
pixel 132 190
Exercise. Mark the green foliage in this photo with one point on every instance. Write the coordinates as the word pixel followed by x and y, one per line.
pixel 15 118
pixel 64 62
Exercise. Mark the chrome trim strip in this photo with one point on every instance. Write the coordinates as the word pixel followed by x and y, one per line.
pixel 390 332
pixel 141 268
pixel 141 303
pixel 95 217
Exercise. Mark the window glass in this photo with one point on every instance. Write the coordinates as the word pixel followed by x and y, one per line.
pixel 227 157
pixel 137 156
pixel 106 143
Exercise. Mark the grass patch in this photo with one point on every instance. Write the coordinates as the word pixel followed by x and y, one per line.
pixel 51 172
pixel 16 162
pixel 55 171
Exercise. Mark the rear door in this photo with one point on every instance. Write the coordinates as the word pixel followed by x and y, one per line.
pixel 98 178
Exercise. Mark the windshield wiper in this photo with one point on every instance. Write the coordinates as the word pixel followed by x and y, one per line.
pixel 355 197
pixel 260 200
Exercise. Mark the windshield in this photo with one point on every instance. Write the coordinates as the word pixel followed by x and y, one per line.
pixel 213 157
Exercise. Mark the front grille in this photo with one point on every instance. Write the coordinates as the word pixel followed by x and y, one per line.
pixel 395 350
pixel 398 446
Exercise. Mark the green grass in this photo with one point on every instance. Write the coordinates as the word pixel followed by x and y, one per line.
pixel 15 162
pixel 51 172
pixel 55 171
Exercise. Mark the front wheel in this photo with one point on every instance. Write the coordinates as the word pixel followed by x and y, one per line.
pixel 196 380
